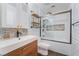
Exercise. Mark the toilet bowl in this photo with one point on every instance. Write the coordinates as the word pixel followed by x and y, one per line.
pixel 43 48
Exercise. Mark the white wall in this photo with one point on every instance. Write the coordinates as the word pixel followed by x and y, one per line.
pixel 33 7
pixel 38 8
pixel 75 29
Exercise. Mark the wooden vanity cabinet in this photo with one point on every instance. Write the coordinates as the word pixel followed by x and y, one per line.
pixel 27 50
pixel 30 49
pixel 16 52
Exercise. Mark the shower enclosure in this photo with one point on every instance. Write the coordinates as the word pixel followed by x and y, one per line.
pixel 57 27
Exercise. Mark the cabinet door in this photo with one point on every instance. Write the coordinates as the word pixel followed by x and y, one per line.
pixel 30 49
pixel 13 14
pixel 10 15
pixel 23 16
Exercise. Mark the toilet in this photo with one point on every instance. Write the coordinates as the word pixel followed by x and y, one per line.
pixel 43 48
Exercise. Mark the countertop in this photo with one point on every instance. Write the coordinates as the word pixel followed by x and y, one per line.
pixel 9 45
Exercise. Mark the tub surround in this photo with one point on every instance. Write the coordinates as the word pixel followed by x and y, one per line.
pixel 9 45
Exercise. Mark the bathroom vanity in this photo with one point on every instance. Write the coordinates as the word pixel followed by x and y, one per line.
pixel 26 50
pixel 26 46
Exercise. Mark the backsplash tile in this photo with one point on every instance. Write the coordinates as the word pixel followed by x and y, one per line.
pixel 12 32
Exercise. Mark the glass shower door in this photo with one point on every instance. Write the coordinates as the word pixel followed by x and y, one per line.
pixel 56 27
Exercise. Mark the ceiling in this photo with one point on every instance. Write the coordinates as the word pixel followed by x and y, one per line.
pixel 44 8
pixel 55 7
